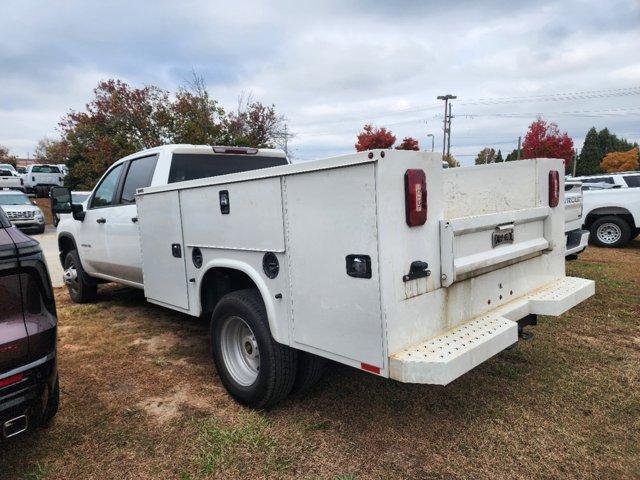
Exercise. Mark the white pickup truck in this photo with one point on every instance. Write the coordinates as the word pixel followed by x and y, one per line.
pixel 9 179
pixel 612 215
pixel 40 178
pixel 577 238
pixel 380 260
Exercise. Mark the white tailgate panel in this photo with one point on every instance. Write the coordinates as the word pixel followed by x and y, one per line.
pixel 160 226
pixel 332 311
pixel 254 221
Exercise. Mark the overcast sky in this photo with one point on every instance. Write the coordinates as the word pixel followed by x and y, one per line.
pixel 331 66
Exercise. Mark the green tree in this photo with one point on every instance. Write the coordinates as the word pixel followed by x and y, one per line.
pixel 194 117
pixel 486 155
pixel 499 157
pixel 512 156
pixel 591 154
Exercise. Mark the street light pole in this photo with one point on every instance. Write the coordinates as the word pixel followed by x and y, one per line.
pixel 432 139
pixel 446 122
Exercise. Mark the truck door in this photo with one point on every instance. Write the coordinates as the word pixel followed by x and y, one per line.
pixel 93 233
pixel 122 226
pixel 163 252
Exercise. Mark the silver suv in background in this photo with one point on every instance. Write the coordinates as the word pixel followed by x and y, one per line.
pixel 22 212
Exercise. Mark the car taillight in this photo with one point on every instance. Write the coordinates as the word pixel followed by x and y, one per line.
pixel 5 382
pixel 554 188
pixel 415 197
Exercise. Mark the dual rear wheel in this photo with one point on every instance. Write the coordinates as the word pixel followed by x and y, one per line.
pixel 255 369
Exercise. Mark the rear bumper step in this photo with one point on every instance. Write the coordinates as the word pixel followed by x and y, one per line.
pixel 442 359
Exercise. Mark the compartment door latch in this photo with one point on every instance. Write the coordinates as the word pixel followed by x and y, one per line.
pixel 418 269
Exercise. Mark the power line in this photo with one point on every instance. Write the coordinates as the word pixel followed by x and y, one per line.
pixel 550 97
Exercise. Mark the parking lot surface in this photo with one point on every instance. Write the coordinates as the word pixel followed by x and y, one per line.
pixel 141 400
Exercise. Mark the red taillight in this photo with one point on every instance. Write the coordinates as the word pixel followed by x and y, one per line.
pixel 5 382
pixel 415 197
pixel 370 368
pixel 236 150
pixel 554 188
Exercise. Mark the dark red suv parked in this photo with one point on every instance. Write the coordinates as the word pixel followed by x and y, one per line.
pixel 29 391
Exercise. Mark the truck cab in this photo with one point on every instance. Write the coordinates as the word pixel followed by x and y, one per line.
pixel 106 234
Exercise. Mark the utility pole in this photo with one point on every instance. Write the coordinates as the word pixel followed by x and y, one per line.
pixel 518 154
pixel 446 122
pixel 449 134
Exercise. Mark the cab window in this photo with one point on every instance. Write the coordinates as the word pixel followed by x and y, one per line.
pixel 105 191
pixel 139 175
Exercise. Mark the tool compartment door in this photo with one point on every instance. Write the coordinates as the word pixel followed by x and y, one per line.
pixel 163 262
pixel 330 215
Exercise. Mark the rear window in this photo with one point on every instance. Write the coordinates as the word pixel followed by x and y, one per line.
pixel 191 166
pixel 45 169
pixel 632 181
pixel 6 173
pixel 599 180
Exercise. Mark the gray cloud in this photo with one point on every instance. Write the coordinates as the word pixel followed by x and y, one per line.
pixel 331 66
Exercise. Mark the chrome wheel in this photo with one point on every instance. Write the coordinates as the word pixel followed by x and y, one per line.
pixel 239 350
pixel 609 233
pixel 70 277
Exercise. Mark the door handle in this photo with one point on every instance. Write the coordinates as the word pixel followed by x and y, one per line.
pixel 101 220
pixel 134 219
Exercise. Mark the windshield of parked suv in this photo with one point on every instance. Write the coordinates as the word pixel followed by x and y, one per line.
pixel 14 199
pixel 190 166
pixel 45 169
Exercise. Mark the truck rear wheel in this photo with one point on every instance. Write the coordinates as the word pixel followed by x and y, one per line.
pixel 81 288
pixel 610 231
pixel 310 369
pixel 255 369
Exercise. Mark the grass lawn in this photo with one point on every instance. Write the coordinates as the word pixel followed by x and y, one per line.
pixel 141 400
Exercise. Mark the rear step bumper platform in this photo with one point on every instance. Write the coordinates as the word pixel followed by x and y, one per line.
pixel 442 359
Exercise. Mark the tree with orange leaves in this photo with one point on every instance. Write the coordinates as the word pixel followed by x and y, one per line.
pixel 620 161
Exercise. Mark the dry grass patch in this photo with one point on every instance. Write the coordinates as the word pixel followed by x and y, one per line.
pixel 141 400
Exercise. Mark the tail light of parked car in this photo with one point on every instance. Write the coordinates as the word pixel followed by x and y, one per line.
pixel 415 195
pixel 5 382
pixel 554 188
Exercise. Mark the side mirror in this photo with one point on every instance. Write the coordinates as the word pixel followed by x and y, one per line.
pixel 61 202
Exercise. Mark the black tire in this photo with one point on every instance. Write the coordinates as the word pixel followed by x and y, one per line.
pixel 310 369
pixel 610 232
pixel 52 405
pixel 55 220
pixel 276 371
pixel 40 230
pixel 84 289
